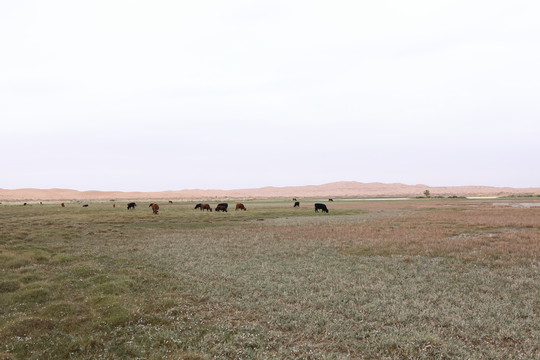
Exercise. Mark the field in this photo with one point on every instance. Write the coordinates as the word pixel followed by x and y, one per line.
pixel 416 279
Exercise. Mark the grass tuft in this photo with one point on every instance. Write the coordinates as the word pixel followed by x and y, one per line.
pixel 29 326
pixel 9 286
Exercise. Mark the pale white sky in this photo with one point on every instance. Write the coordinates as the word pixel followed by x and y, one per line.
pixel 159 95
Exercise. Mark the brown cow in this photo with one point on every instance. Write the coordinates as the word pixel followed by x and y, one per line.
pixel 221 208
pixel 170 202
pixel 155 208
pixel 206 207
pixel 113 205
pixel 63 205
pixel 240 206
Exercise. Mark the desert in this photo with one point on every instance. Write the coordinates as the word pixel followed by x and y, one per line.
pixel 343 189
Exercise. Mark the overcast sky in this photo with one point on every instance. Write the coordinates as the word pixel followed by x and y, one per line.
pixel 170 95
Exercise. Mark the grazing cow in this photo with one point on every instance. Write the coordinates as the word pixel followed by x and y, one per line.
pixel 297 204
pixel 240 206
pixel 170 202
pixel 294 199
pixel 225 205
pixel 322 207
pixel 198 206
pixel 206 207
pixel 131 205
pixel 330 199
pixel 221 208
pixel 113 205
pixel 24 204
pixel 40 203
pixel 63 205
pixel 155 208
pixel 85 205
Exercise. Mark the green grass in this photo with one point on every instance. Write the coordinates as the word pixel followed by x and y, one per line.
pixel 408 279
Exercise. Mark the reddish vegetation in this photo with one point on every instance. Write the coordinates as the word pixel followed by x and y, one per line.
pixel 471 230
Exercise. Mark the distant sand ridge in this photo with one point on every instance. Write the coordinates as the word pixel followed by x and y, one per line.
pixel 344 189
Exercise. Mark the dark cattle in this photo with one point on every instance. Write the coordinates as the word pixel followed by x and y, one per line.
pixel 155 208
pixel 322 207
pixel 24 204
pixel 85 205
pixel 198 206
pixel 330 199
pixel 40 203
pixel 63 205
pixel 294 199
pixel 225 205
pixel 297 204
pixel 206 207
pixel 170 202
pixel 131 206
pixel 221 208
pixel 113 205
pixel 240 206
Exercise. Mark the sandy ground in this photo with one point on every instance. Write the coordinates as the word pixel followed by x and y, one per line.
pixel 348 189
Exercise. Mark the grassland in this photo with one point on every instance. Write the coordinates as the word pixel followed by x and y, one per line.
pixel 419 279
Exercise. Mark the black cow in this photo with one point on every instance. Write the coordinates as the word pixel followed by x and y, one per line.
pixel 297 204
pixel 322 207
pixel 221 208
pixel 131 206
pixel 330 199
pixel 198 206
pixel 225 205
pixel 85 205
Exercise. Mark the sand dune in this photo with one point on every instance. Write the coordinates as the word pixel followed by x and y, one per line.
pixel 343 189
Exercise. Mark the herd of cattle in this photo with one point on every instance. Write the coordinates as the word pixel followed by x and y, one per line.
pixel 220 207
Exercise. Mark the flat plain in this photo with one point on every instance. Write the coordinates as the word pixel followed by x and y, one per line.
pixel 414 279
